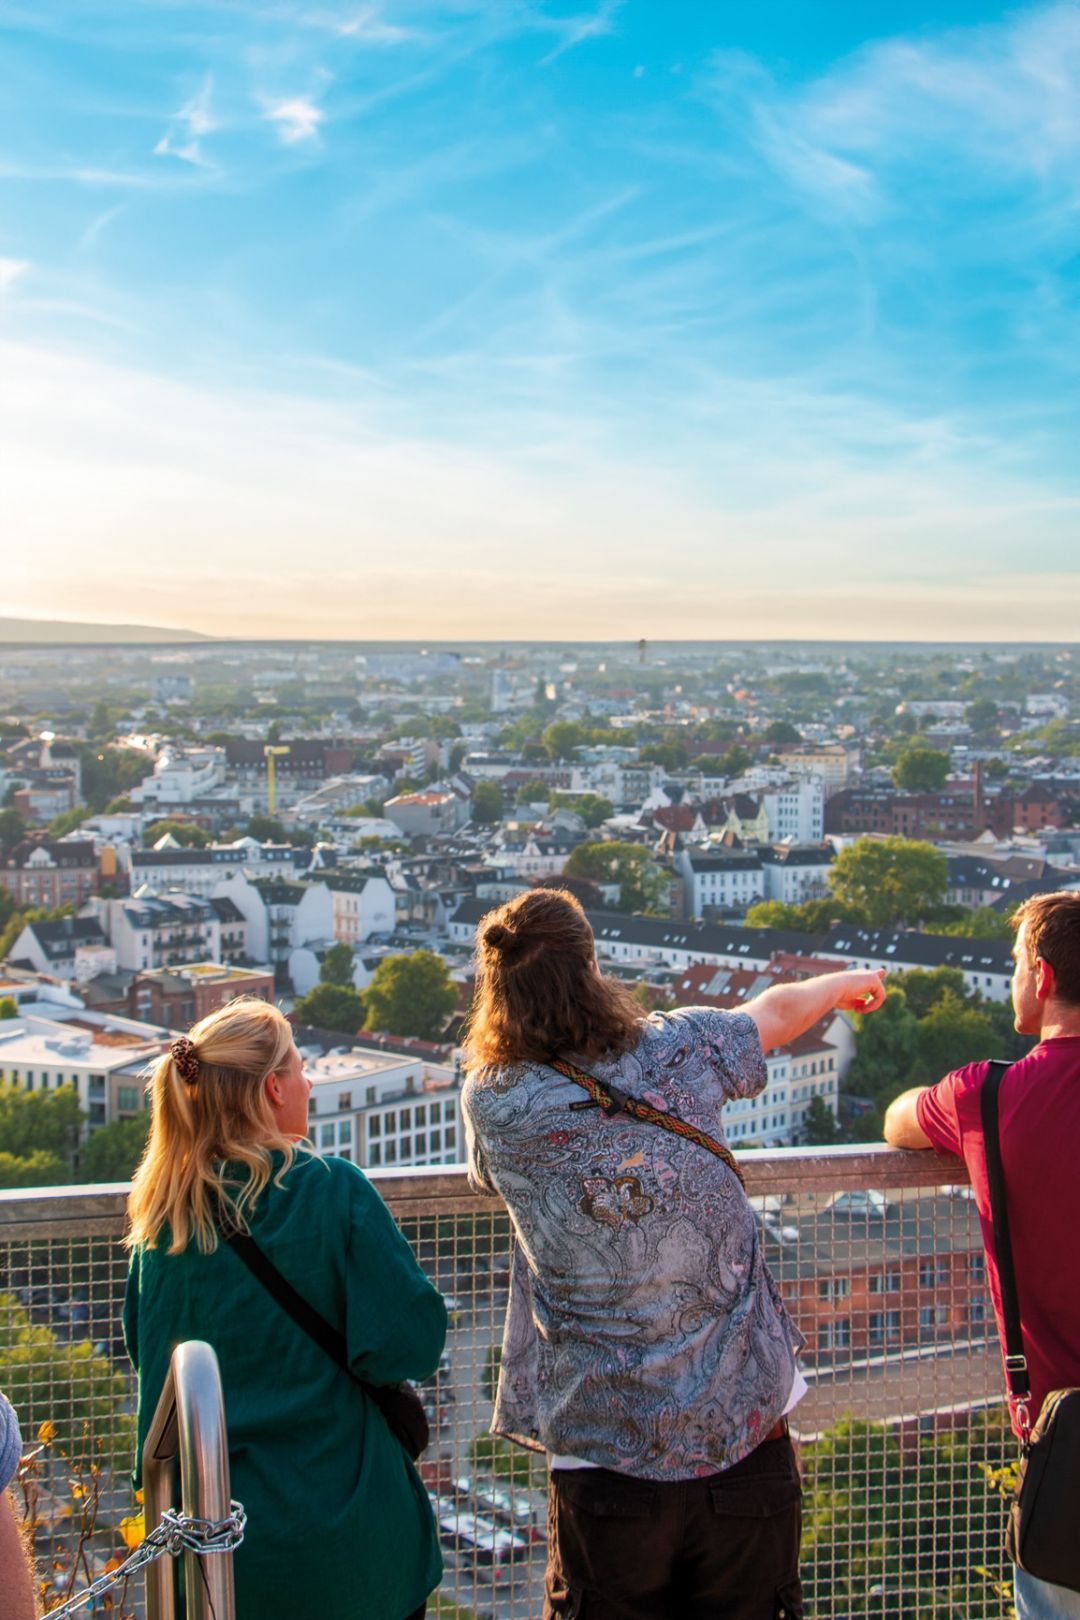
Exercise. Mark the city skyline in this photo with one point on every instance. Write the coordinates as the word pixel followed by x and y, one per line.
pixel 509 321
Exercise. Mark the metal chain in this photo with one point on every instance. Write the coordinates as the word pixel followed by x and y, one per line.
pixel 176 1533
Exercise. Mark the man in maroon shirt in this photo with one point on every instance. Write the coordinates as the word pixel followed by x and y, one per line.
pixel 1040 1149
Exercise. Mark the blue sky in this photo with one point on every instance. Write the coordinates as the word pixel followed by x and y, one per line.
pixel 530 319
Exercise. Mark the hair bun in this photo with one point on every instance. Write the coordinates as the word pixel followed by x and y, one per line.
pixel 499 937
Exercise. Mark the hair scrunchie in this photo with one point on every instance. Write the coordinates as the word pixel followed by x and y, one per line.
pixel 186 1058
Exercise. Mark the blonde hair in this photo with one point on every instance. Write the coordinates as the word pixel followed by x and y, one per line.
pixel 209 1113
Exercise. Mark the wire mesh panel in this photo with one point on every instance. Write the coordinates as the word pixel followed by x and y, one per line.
pixel 64 1368
pixel 901 1430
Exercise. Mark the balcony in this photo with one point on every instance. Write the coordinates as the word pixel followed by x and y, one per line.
pixel 878 1254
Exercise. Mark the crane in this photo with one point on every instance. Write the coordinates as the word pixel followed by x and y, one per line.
pixel 270 753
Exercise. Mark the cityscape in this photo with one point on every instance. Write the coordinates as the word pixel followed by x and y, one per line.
pixel 454 454
pixel 324 825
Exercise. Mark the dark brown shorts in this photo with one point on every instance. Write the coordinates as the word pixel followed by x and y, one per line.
pixel 721 1548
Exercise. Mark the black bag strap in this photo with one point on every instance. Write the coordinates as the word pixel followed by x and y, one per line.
pixel 610 1100
pixel 1016 1367
pixel 293 1304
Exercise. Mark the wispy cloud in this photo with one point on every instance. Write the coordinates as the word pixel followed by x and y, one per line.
pixel 297 119
pixel 576 30
pixel 195 120
pixel 10 271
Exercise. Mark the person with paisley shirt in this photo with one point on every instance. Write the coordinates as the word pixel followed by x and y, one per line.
pixel 646 1349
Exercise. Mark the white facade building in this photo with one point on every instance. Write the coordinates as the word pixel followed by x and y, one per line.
pixel 379 1110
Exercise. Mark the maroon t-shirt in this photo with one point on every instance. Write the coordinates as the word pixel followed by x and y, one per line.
pixel 1040 1149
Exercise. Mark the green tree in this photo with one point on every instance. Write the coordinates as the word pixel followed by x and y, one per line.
pixel 954 1033
pixel 37 1169
pixel 806 917
pixel 982 922
pixel 67 821
pixel 924 988
pixel 411 995
pixel 734 762
pixel 267 829
pixel 337 966
pixel 9 1007
pixel 982 716
pixel 187 835
pixel 331 1006
pixel 921 770
pixel 782 731
pixel 562 738
pixel 643 885
pixel 102 723
pixel 458 751
pixel 889 881
pixel 593 808
pixel 13 829
pixel 39 1121
pixel 487 803
pixel 112 1152
pixel 670 756
pixel 65 1385
pixel 886 1049
pixel 108 772
pixel 820 1127
pixel 534 792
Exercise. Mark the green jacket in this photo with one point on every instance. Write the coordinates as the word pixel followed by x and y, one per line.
pixel 339 1524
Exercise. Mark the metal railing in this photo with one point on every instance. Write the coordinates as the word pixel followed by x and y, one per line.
pixel 189 1426
pixel 878 1255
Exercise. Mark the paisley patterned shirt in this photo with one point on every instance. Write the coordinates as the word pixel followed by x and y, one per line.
pixel 644 1332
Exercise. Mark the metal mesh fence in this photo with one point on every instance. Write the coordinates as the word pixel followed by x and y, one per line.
pixel 902 1427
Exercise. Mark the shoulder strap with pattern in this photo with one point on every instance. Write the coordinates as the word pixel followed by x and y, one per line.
pixel 610 1100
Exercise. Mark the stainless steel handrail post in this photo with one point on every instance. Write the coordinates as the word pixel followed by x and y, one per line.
pixel 189 1423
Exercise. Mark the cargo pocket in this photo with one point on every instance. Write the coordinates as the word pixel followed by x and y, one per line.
pixel 604 1527
pixel 762 1523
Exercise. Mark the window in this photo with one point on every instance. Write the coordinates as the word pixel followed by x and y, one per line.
pixel 127 1097
pixel 933 1316
pixel 391 1152
pixel 421 1114
pixel 344 1099
pixel 977 1266
pixel 885 1282
pixel 370 1095
pixel 391 1120
pixel 436 1141
pixel 884 1327
pixel 406 1148
pixel 933 1273
pixel 420 1143
pixel 834 1288
pixel 375 1153
pixel 451 1136
pixel 326 1136
pixel 375 1126
pixel 836 1335
pixel 976 1311
pixel 406 1119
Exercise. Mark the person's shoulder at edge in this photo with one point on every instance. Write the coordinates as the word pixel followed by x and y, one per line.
pixel 10 1442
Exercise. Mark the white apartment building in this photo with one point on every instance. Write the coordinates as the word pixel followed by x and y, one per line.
pixel 199 871
pixel 721 879
pixel 90 1051
pixel 152 930
pixel 362 906
pixel 382 1111
pixel 280 915
pixel 180 776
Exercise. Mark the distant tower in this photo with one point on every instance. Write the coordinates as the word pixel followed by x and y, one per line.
pixel 642 647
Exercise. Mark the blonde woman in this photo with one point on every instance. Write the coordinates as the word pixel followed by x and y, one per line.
pixel 339 1524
